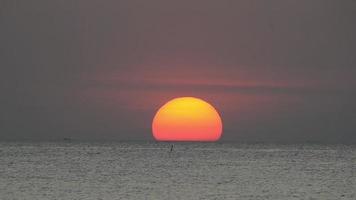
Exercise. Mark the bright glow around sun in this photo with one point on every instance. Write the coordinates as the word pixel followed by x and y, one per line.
pixel 187 119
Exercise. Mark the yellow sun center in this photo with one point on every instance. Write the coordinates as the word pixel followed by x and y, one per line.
pixel 187 119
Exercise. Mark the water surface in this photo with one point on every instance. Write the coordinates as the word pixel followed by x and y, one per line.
pixel 191 171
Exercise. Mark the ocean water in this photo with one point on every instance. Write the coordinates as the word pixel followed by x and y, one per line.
pixel 191 171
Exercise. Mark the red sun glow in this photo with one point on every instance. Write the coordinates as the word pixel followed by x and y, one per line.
pixel 187 119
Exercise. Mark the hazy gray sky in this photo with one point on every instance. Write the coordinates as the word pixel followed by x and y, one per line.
pixel 278 71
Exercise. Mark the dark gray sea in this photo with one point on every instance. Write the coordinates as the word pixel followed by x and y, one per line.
pixel 130 170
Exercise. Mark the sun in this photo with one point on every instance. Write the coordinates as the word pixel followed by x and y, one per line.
pixel 187 119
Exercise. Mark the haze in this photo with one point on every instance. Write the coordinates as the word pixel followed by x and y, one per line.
pixel 277 71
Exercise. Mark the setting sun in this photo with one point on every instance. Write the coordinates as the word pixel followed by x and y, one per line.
pixel 187 119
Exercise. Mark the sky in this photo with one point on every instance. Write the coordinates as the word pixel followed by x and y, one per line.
pixel 277 71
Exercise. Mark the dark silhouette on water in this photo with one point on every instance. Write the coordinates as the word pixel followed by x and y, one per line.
pixel 171 148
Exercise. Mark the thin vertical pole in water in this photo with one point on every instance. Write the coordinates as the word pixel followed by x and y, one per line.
pixel 171 148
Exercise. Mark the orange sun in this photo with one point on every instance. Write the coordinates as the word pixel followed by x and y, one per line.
pixel 187 119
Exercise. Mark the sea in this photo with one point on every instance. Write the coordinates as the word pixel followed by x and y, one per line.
pixel 153 170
